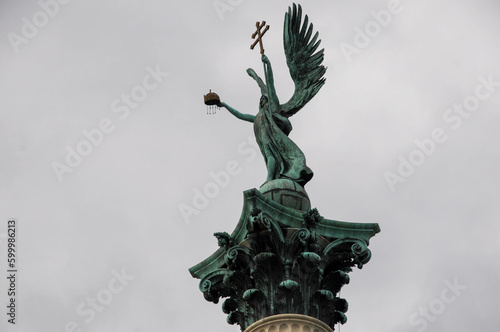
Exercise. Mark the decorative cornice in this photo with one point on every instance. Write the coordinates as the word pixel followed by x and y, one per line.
pixel 280 260
pixel 288 218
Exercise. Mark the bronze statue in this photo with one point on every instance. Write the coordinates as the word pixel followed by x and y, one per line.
pixel 284 261
pixel 284 159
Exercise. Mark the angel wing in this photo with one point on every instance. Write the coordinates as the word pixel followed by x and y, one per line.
pixel 305 66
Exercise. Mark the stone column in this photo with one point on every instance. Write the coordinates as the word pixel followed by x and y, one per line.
pixel 282 261
pixel 289 323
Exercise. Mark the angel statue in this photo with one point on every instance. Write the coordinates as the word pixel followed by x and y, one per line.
pixel 284 159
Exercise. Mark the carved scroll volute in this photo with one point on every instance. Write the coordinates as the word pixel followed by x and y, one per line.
pixel 267 268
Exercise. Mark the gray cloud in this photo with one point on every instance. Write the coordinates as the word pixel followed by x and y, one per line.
pixel 120 206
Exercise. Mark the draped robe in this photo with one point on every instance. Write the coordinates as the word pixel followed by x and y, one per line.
pixel 271 132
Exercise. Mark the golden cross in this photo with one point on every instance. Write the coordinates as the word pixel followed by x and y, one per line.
pixel 259 35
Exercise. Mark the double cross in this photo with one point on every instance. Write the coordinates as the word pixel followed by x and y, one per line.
pixel 259 35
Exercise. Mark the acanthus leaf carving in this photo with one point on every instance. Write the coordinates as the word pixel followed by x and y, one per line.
pixel 276 268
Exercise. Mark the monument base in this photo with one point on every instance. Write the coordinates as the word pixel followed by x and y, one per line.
pixel 281 261
pixel 289 323
pixel 287 193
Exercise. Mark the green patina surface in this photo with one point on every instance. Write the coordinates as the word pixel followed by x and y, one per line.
pixel 282 260
pixel 283 257
pixel 284 159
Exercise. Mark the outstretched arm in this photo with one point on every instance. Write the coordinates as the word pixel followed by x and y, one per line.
pixel 245 117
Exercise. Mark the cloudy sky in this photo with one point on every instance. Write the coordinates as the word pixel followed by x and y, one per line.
pixel 106 147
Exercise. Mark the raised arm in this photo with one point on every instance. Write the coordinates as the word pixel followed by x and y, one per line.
pixel 245 117
pixel 273 97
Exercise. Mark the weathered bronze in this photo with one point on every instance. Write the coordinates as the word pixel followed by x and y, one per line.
pixel 281 260
pixel 283 257
pixel 284 159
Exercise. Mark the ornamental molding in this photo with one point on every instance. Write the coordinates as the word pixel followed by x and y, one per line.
pixel 280 260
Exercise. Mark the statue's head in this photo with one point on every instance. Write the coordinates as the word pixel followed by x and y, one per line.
pixel 263 102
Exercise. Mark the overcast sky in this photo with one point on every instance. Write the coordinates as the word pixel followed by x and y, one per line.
pixel 106 144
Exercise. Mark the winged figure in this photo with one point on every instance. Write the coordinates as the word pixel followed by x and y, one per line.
pixel 284 159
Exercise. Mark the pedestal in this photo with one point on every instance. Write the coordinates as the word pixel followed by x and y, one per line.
pixel 287 193
pixel 281 259
pixel 289 323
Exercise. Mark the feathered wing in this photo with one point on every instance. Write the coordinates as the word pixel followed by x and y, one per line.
pixel 304 65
